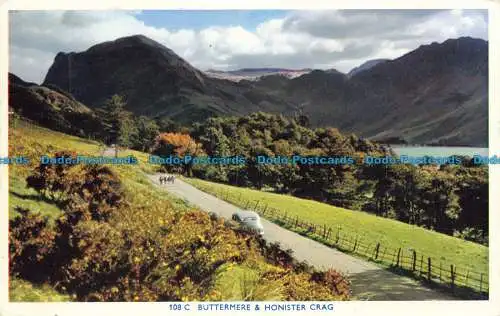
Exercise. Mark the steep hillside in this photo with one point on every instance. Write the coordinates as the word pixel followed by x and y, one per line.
pixel 154 80
pixel 52 107
pixel 365 66
pixel 436 94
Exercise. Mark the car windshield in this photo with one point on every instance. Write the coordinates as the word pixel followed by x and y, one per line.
pixel 250 219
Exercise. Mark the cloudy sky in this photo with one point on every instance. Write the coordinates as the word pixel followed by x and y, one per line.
pixel 227 40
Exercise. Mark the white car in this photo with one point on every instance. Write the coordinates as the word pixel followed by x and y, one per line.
pixel 250 220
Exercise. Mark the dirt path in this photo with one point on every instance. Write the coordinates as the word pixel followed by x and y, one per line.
pixel 369 281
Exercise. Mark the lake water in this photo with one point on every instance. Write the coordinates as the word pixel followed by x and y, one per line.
pixel 439 151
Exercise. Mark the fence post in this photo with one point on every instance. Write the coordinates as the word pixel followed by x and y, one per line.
pixel 414 260
pixel 324 231
pixel 255 207
pixel 440 269
pixel 421 264
pixel 355 243
pixel 248 202
pixel 393 257
pixel 297 221
pixel 481 284
pixel 338 236
pixel 377 250
pixel 399 254
pixel 429 269
pixel 452 277
pixel 329 233
pixel 466 278
pixel 264 210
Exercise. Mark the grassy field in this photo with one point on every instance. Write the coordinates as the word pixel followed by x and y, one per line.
pixel 370 228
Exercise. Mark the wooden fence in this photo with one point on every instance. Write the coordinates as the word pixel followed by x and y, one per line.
pixel 408 261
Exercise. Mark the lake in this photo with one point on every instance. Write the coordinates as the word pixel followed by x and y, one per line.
pixel 439 151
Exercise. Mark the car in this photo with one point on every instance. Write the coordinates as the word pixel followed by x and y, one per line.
pixel 249 220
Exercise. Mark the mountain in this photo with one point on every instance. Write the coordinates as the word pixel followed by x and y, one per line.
pixel 436 94
pixel 52 107
pixel 154 81
pixel 365 66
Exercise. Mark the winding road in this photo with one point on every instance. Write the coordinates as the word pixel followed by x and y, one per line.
pixel 369 281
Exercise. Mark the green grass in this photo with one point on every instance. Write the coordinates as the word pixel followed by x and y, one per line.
pixel 244 283
pixel 369 228
pixel 23 291
pixel 20 196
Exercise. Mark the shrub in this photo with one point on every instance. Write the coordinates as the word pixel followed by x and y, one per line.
pixel 98 258
pixel 334 281
pixel 97 195
pixel 54 181
pixel 31 245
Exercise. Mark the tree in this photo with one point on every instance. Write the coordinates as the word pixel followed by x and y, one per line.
pixel 382 196
pixel 180 145
pixel 407 188
pixel 473 198
pixel 439 202
pixel 303 120
pixel 118 122
pixel 259 174
pixel 166 124
pixel 147 131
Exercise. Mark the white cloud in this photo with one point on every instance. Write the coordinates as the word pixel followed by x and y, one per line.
pixel 307 39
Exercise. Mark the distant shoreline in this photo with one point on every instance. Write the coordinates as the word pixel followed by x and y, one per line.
pixel 445 146
pixel 413 150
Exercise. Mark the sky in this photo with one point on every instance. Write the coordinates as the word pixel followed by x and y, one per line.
pixel 229 40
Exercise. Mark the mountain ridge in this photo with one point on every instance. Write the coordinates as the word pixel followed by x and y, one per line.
pixel 420 97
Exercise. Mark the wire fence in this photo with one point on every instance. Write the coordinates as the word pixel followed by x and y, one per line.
pixel 461 281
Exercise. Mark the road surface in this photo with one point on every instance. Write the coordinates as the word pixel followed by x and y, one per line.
pixel 369 281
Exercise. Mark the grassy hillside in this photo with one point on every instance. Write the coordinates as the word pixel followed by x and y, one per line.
pixel 26 139
pixel 370 228
pixel 134 255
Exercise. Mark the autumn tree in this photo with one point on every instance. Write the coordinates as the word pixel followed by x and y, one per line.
pixel 180 145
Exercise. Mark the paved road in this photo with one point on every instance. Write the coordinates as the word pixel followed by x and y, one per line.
pixel 109 151
pixel 369 282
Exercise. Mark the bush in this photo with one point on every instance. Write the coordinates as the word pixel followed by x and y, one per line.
pixel 54 181
pixel 334 281
pixel 97 195
pixel 31 246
